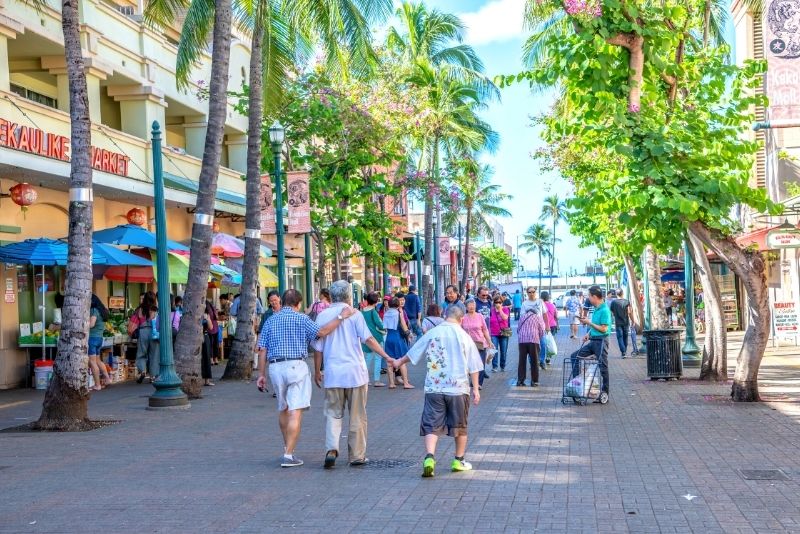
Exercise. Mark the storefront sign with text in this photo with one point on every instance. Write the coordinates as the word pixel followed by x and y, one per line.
pixel 267 206
pixel 38 142
pixel 784 316
pixel 299 202
pixel 783 239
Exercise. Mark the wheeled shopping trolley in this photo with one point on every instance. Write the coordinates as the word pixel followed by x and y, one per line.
pixel 581 382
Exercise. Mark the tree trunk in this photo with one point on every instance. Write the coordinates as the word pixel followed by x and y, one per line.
pixel 634 297
pixel 658 315
pixel 190 335
pixel 320 265
pixel 65 405
pixel 751 269
pixel 368 288
pixel 552 259
pixel 337 258
pixel 714 366
pixel 540 272
pixel 240 364
pixel 466 245
pixel 427 280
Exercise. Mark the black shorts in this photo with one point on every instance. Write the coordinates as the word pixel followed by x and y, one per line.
pixel 444 414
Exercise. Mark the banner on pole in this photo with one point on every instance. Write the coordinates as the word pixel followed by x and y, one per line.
pixel 299 202
pixel 782 47
pixel 444 251
pixel 267 205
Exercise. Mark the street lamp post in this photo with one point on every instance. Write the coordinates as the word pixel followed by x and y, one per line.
pixel 418 258
pixel 276 137
pixel 168 392
pixel 458 261
pixel 691 352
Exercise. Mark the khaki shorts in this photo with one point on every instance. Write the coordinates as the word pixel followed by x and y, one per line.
pixel 445 414
pixel 292 383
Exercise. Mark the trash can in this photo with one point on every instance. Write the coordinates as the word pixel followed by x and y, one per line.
pixel 663 353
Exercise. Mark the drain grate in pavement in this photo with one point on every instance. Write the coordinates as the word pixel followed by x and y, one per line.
pixel 389 463
pixel 763 474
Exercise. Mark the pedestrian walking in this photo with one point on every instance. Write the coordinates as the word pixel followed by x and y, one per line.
pixel 536 305
pixel 530 332
pixel 413 309
pixel 346 376
pixel 210 327
pixel 475 326
pixel 500 329
pixel 669 303
pixel 595 342
pixel 140 327
pixel 551 311
pixel 283 342
pixel 396 345
pixel 516 300
pixel 453 367
pixel 98 315
pixel 572 307
pixel 322 302
pixel 433 318
pixel 451 298
pixel 623 322
pixel 378 331
pixel 483 304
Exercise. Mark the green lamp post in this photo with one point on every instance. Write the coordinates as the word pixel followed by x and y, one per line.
pixel 168 394
pixel 690 352
pixel 276 137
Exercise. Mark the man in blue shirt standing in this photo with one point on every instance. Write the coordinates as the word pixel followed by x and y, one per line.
pixel 413 308
pixel 595 342
pixel 483 305
pixel 517 302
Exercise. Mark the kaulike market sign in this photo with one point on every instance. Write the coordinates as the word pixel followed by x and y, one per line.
pixel 38 142
pixel 783 239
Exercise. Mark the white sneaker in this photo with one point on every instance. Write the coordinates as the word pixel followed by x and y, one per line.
pixel 460 465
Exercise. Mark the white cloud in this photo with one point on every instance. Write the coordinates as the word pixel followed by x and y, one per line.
pixel 497 21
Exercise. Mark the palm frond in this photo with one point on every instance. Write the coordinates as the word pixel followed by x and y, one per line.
pixel 197 27
pixel 162 13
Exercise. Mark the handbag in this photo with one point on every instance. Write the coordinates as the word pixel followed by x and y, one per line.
pixel 506 332
pixel 479 345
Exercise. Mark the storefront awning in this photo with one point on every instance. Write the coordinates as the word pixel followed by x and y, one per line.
pixel 190 186
pixel 756 237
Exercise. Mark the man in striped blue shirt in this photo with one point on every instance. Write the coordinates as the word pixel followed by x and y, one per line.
pixel 284 341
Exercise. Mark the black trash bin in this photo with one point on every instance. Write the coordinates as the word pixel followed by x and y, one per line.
pixel 663 353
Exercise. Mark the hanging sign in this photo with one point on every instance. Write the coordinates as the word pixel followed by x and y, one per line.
pixel 785 318
pixel 444 251
pixel 267 205
pixel 299 202
pixel 782 47
pixel 35 141
pixel 783 239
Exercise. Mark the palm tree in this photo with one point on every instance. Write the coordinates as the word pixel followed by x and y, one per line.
pixel 554 209
pixel 429 44
pixel 65 404
pixel 537 239
pixel 477 199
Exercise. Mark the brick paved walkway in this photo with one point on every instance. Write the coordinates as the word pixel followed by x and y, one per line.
pixel 539 466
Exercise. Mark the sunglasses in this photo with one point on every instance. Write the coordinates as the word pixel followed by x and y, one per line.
pixel 531 292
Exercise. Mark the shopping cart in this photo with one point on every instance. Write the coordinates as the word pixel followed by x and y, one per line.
pixel 581 382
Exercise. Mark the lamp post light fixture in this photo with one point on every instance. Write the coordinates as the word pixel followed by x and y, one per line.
pixel 277 135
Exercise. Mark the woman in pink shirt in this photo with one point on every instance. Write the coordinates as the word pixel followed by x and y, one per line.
pixel 552 313
pixel 499 321
pixel 475 325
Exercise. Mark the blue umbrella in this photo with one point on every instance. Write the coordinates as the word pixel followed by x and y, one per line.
pixel 133 236
pixel 43 251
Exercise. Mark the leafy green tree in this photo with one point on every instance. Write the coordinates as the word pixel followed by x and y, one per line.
pixel 537 239
pixel 494 262
pixel 555 210
pixel 639 86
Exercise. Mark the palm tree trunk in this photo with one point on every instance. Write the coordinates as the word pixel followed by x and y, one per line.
pixel 427 284
pixel 714 366
pixel 65 405
pixel 190 335
pixel 540 271
pixel 552 258
pixel 466 246
pixel 240 364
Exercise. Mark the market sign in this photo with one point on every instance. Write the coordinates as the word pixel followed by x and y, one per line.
pixel 299 202
pixel 40 143
pixel 267 206
pixel 785 318
pixel 782 47
pixel 783 239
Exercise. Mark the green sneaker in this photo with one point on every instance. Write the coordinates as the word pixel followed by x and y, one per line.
pixel 460 465
pixel 428 466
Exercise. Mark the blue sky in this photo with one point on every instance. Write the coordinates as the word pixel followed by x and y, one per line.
pixel 495 30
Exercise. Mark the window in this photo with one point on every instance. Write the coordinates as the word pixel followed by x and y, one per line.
pixel 34 96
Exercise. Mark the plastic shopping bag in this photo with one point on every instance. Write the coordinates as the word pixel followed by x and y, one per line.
pixel 550 345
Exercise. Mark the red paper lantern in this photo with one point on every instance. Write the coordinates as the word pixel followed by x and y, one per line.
pixel 136 216
pixel 23 195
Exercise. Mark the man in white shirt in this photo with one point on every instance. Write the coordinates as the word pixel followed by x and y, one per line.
pixel 453 366
pixel 346 376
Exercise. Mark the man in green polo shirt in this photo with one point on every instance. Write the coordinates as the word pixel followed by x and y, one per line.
pixel 595 343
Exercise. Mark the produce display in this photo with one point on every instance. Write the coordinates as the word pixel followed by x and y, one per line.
pixel 51 338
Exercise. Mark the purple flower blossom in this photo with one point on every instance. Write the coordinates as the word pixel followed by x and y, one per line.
pixel 633 108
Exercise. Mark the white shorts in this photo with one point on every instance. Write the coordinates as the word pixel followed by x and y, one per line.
pixel 574 318
pixel 292 383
